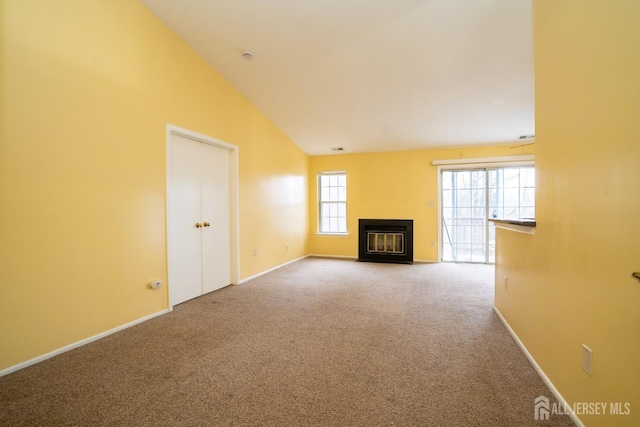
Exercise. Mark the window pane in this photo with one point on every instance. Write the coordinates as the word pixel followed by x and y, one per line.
pixel 512 196
pixel 511 178
pixel 495 178
pixel 527 196
pixel 463 198
pixel 478 197
pixel 511 212
pixel 477 179
pixel 527 212
pixel 463 252
pixel 333 193
pixel 528 177
pixel 463 213
pixel 478 235
pixel 324 196
pixel 478 212
pixel 446 198
pixel 447 178
pixel 495 197
pixel 342 194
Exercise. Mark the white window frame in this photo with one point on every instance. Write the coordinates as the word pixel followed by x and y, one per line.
pixel 321 202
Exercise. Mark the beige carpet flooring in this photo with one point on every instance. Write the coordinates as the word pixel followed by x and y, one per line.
pixel 317 343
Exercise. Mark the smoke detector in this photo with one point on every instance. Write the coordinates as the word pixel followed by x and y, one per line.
pixel 248 55
pixel 337 149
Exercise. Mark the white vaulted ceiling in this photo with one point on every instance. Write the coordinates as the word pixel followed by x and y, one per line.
pixel 372 75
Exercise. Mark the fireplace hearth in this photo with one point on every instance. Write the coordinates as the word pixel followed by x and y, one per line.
pixel 385 240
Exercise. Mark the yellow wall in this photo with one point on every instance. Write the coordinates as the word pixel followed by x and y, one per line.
pixel 570 283
pixel 87 90
pixel 400 184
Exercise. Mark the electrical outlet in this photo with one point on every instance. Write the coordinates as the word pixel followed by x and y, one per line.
pixel 587 356
pixel 255 252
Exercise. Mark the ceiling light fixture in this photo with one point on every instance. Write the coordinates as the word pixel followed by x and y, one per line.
pixel 248 55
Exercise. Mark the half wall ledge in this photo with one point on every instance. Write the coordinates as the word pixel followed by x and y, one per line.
pixel 523 225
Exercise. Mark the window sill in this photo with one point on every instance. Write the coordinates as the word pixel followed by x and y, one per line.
pixel 332 234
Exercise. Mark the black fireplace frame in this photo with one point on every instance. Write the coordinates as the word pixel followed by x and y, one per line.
pixel 385 225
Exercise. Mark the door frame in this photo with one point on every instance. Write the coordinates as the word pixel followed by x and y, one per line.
pixel 234 180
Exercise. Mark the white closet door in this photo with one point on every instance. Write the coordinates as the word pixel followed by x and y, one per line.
pixel 185 252
pixel 216 244
pixel 199 218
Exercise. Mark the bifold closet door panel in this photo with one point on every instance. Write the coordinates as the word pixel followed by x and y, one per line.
pixel 185 252
pixel 216 243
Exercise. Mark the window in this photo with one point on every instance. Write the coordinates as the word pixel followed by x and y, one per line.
pixel 332 202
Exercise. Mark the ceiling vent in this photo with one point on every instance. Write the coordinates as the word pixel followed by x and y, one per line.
pixel 337 149
pixel 526 137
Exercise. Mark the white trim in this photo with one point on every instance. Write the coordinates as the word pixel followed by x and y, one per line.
pixel 234 196
pixel 255 276
pixel 515 227
pixel 332 234
pixel 538 369
pixel 332 256
pixel 332 172
pixel 319 204
pixel 499 160
pixel 78 344
pixel 439 191
pixel 351 257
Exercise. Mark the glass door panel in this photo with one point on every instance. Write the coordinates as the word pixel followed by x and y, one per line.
pixel 470 197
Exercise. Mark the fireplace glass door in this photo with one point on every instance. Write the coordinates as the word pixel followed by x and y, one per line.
pixel 389 243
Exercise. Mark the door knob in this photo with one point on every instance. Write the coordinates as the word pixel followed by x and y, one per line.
pixel 206 224
pixel 198 225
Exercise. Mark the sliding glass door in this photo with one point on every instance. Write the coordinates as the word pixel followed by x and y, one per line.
pixel 470 197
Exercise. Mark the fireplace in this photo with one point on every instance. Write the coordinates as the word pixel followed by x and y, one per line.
pixel 385 240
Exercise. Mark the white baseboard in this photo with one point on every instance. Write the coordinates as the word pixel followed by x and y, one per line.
pixel 538 369
pixel 78 344
pixel 418 261
pixel 425 261
pixel 270 270
pixel 333 256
